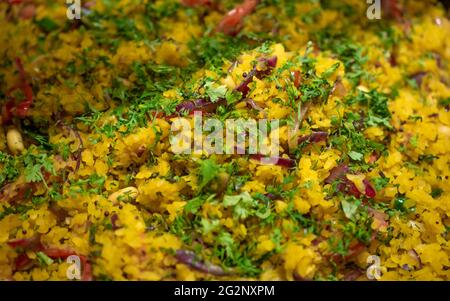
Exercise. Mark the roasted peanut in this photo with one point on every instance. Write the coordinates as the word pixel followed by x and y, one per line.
pixel 14 141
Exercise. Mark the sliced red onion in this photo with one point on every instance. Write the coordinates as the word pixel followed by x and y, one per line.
pixel 296 76
pixel 252 103
pixel 114 219
pixel 416 256
pixel 380 216
pixel 272 196
pixel 373 157
pixel 80 145
pixel 14 1
pixel 337 173
pixel 28 12
pixel 270 63
pixel 32 243
pixel 298 121
pixel 393 60
pixel 233 65
pixel 303 112
pixel 89 4
pixel 87 269
pixel 274 160
pixel 194 3
pixel 85 11
pixel 13 192
pixel 60 213
pixel 351 189
pixel 406 267
pixel 202 104
pixel 314 137
pixel 369 189
pixel 24 106
pixel 353 251
pixel 231 23
pixel 353 275
pixel 344 185
pixel 392 9
pixel 438 59
pixel 284 162
pixel 207 106
pixel 243 86
pixel 23 262
pixel 56 253
pixel 189 258
pixel 297 277
pixel 339 88
pixel 418 77
pixel 347 186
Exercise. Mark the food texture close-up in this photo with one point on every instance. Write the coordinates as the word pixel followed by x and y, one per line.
pixel 116 118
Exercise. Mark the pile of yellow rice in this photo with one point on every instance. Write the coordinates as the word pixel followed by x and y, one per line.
pixel 95 174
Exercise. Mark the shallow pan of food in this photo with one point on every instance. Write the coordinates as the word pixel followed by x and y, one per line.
pixel 224 140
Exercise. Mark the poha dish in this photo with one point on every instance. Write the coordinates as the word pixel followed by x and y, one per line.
pixel 87 167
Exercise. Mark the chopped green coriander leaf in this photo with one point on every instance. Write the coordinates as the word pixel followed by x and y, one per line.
pixel 209 169
pixel 44 259
pixel 355 156
pixel 215 93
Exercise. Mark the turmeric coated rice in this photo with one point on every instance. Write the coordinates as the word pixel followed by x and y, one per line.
pixel 359 190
